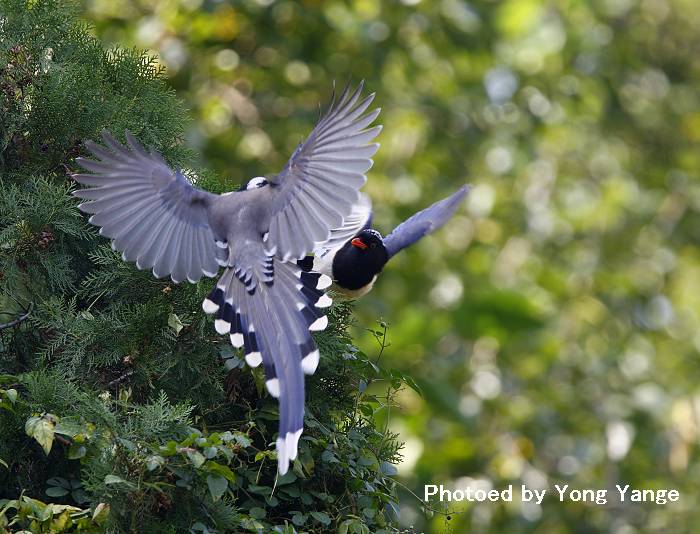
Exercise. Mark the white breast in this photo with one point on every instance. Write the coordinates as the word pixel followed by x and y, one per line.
pixel 356 293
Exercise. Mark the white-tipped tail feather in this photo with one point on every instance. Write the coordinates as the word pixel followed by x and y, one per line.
pixel 310 362
pixel 237 340
pixel 319 324
pixel 324 301
pixel 273 387
pixel 253 359
pixel 324 281
pixel 210 307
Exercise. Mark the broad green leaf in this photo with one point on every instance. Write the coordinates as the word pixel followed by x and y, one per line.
pixel 76 451
pixel 217 486
pixel 154 461
pixel 114 479
pixel 101 512
pixel 55 491
pixel 175 323
pixel 41 428
pixel 11 394
pixel 196 457
pixel 257 513
pixel 321 517
pixel 221 470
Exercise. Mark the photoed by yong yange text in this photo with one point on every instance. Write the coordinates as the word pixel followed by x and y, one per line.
pixel 621 493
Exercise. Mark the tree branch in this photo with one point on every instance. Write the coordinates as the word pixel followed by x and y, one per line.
pixel 21 318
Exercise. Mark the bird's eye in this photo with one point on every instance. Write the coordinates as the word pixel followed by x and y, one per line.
pixel 373 245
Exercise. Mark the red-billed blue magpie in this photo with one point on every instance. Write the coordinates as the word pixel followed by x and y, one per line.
pixel 263 300
pixel 354 263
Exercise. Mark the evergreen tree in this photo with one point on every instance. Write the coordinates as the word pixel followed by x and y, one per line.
pixel 117 398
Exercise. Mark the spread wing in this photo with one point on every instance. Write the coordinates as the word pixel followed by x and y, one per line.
pixel 424 222
pixel 316 190
pixel 359 218
pixel 151 213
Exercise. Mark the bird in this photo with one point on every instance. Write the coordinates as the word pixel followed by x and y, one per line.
pixel 263 300
pixel 355 263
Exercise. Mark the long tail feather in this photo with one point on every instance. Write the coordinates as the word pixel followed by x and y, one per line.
pixel 274 323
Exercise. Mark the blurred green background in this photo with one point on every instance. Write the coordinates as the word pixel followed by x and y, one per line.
pixel 554 323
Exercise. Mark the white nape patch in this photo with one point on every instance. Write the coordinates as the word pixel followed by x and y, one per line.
pixel 222 327
pixel 300 306
pixel 324 301
pixel 237 340
pixel 221 244
pixel 310 362
pixel 273 387
pixel 324 281
pixel 293 444
pixel 254 183
pixel 319 324
pixel 253 358
pixel 209 306
pixel 282 459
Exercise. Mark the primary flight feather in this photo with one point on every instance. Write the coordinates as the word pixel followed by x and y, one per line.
pixel 264 301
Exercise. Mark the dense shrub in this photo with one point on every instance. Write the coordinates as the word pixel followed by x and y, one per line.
pixel 119 405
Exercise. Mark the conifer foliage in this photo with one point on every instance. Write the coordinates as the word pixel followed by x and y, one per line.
pixel 121 410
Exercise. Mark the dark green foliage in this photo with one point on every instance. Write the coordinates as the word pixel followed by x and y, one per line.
pixel 114 393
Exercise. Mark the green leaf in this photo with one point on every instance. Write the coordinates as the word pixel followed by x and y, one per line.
pixel 41 428
pixel 114 479
pixel 196 457
pixel 221 470
pixel 217 486
pixel 11 394
pixel 321 517
pixel 76 451
pixel 175 323
pixel 257 513
pixel 101 512
pixel 413 384
pixel 242 439
pixel 55 491
pixel 59 481
pixel 153 462
pixel 388 469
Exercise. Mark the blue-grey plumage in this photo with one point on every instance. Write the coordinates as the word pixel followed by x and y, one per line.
pixel 355 262
pixel 263 300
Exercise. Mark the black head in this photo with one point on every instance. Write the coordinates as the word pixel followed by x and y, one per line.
pixel 370 242
pixel 356 263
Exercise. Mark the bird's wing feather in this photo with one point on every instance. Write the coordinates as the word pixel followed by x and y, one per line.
pixel 272 316
pixel 359 218
pixel 316 190
pixel 151 213
pixel 424 222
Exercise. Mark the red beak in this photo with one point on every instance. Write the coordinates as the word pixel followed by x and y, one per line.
pixel 357 242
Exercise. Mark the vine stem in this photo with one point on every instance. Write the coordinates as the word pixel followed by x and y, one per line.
pixel 17 321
